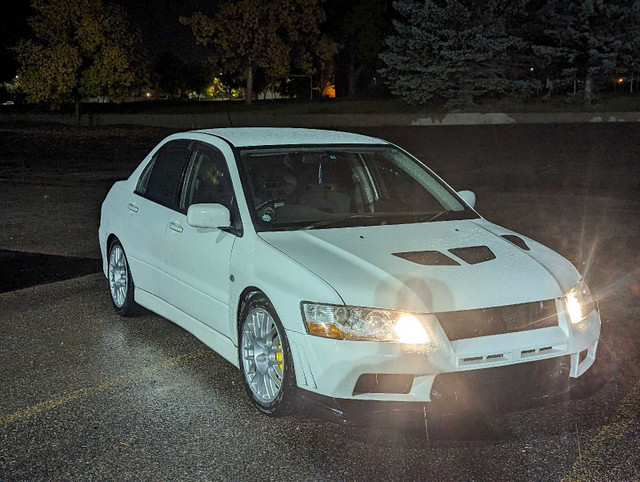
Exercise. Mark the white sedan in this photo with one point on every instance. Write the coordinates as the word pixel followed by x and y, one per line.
pixel 338 266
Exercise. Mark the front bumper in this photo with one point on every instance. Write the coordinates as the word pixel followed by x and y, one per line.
pixel 356 370
pixel 459 398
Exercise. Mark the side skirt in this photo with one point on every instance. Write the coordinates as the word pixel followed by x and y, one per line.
pixel 210 337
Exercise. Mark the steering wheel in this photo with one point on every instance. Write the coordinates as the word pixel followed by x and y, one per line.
pixel 267 210
pixel 270 201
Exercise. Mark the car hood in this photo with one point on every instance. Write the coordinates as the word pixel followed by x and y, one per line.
pixel 359 264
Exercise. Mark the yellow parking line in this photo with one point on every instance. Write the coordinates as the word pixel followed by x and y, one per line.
pixel 88 391
pixel 599 448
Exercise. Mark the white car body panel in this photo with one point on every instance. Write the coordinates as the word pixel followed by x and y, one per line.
pixel 143 237
pixel 186 277
pixel 197 264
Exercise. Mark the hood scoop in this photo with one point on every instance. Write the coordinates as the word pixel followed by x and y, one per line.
pixel 474 254
pixel 428 258
pixel 517 240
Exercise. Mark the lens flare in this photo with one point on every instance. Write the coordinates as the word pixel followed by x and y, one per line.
pixel 574 308
pixel 409 330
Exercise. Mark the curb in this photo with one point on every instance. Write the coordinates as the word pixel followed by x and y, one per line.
pixel 242 119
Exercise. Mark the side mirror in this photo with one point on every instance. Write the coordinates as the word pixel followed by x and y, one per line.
pixel 468 196
pixel 208 216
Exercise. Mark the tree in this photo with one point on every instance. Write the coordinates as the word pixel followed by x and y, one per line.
pixel 248 34
pixel 363 32
pixel 458 50
pixel 589 39
pixel 629 54
pixel 81 48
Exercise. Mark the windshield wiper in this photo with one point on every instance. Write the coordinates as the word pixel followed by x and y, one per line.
pixel 374 218
pixel 337 222
pixel 439 215
pixel 451 215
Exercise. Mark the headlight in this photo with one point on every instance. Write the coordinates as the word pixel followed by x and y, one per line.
pixel 357 323
pixel 579 302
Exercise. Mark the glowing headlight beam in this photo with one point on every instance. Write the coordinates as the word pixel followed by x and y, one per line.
pixel 409 330
pixel 579 302
pixel 574 308
pixel 360 323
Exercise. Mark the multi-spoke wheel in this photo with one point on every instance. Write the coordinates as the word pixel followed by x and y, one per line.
pixel 265 358
pixel 120 282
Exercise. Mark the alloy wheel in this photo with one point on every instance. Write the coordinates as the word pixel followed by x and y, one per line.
pixel 118 276
pixel 263 358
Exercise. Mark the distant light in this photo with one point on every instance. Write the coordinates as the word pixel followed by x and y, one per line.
pixel 148 94
pixel 329 90
pixel 531 69
pixel 620 80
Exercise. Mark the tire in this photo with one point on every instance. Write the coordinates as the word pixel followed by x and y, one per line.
pixel 265 358
pixel 121 286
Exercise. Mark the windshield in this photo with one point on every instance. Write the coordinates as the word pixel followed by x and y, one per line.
pixel 337 186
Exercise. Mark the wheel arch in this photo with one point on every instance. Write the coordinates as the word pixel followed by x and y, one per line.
pixel 244 295
pixel 111 238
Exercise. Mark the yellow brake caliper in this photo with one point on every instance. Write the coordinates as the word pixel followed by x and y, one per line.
pixel 279 357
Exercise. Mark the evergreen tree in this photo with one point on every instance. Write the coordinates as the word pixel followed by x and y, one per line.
pixel 362 34
pixel 629 54
pixel 589 39
pixel 459 50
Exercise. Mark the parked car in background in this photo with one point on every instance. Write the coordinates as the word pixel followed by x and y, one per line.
pixel 340 267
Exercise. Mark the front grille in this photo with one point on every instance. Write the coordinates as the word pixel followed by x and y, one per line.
pixel 503 386
pixel 501 319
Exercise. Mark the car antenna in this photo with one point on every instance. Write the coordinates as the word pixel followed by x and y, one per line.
pixel 230 121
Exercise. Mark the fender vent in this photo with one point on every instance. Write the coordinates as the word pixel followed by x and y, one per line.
pixel 428 258
pixel 517 240
pixel 474 254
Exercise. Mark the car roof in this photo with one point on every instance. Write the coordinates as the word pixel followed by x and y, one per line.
pixel 278 136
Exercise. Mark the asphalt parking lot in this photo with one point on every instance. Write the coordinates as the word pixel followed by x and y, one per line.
pixel 85 394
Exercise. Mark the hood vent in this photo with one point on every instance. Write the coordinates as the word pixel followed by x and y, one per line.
pixel 474 254
pixel 428 258
pixel 517 240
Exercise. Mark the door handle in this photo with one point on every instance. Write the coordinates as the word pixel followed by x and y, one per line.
pixel 175 227
pixel 132 207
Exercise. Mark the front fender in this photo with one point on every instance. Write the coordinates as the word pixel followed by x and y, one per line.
pixel 286 282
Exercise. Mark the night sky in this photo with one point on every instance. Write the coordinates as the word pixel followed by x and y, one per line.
pixel 160 28
pixel 13 26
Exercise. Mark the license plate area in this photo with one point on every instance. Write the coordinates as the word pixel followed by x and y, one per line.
pixel 502 388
